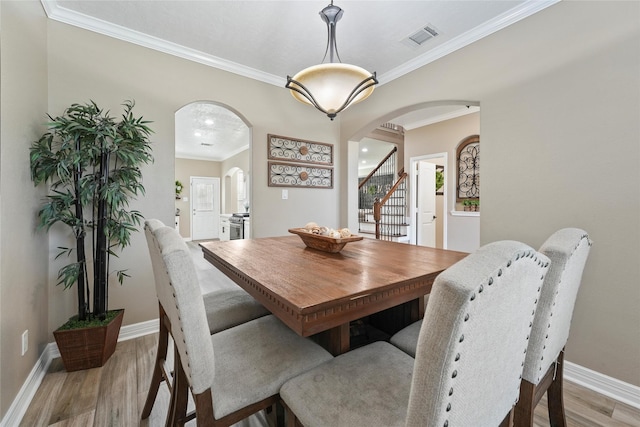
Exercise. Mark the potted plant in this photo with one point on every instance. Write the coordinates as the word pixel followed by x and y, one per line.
pixel 467 204
pixel 178 189
pixel 91 162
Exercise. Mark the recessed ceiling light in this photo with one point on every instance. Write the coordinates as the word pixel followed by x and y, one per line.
pixel 209 122
pixel 364 150
pixel 197 133
pixel 364 161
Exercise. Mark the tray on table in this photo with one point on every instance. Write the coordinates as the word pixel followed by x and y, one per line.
pixel 323 243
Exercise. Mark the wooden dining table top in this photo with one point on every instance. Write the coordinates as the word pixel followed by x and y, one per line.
pixel 313 291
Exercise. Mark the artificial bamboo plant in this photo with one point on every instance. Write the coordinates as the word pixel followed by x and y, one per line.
pixel 92 162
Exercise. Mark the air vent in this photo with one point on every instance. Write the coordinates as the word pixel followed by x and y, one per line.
pixel 421 36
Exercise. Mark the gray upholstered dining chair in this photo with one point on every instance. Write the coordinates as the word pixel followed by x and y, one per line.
pixel 470 353
pixel 568 250
pixel 233 373
pixel 225 308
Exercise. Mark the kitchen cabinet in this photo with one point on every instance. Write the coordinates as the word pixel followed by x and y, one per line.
pixel 224 226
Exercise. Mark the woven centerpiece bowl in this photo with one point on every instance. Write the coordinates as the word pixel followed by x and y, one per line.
pixel 323 243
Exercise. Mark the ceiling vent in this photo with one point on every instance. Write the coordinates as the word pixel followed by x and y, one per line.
pixel 421 36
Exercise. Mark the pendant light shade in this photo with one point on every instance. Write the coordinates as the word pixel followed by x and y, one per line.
pixel 331 87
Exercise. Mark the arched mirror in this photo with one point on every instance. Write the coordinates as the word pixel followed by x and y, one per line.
pixel 213 165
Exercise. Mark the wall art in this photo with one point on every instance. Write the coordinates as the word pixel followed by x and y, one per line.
pixel 299 151
pixel 299 175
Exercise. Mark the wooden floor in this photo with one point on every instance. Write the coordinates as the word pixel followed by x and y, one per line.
pixel 114 395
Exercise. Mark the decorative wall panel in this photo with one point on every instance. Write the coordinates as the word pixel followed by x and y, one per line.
pixel 299 175
pixel 299 151
pixel 468 159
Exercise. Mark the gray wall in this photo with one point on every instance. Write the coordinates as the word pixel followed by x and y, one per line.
pixel 23 251
pixel 559 121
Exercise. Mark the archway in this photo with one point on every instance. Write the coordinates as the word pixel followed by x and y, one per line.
pixel 212 140
pixel 423 116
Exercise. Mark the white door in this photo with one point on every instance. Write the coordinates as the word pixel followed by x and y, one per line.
pixel 426 209
pixel 205 208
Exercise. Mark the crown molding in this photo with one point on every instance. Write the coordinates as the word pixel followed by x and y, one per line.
pixel 66 16
pixel 60 14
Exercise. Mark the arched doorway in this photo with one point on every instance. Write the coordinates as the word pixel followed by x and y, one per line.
pixel 212 140
pixel 418 146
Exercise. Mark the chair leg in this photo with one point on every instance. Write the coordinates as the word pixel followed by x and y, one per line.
pixel 177 415
pixel 280 417
pixel 290 418
pixel 157 376
pixel 523 413
pixel 555 398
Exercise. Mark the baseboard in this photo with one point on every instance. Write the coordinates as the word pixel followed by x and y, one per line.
pixel 28 390
pixel 600 383
pixel 603 384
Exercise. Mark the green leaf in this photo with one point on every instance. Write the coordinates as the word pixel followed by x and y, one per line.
pixel 68 157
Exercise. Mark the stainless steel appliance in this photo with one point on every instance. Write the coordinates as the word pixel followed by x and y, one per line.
pixel 236 225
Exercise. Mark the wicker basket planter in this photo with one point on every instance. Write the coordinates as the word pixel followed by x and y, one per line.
pixel 87 348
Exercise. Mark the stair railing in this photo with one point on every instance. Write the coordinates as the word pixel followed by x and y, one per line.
pixel 384 164
pixel 395 218
pixel 389 201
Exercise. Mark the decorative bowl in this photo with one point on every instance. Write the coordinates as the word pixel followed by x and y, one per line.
pixel 323 243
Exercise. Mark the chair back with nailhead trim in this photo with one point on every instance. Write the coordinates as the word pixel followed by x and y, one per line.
pixel 179 293
pixel 473 340
pixel 568 250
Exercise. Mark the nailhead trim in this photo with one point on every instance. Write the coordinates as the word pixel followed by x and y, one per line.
pixel 490 281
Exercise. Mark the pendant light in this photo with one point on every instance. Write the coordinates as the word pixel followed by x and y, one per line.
pixel 333 86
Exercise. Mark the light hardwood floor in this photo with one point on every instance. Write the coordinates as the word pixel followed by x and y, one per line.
pixel 114 396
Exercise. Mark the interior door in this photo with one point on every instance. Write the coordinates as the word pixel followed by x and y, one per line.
pixel 205 208
pixel 426 209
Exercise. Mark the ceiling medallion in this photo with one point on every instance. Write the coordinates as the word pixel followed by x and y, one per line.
pixel 333 86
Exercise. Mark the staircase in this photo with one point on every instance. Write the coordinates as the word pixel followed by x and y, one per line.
pixel 383 197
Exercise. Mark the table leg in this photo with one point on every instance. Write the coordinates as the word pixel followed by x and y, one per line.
pixel 336 340
pixel 417 307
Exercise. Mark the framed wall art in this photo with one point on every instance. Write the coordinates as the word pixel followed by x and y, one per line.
pixel 299 175
pixel 287 149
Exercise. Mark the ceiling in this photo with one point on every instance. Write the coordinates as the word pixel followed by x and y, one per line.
pixel 268 40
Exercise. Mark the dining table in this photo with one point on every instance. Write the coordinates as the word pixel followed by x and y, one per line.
pixel 318 294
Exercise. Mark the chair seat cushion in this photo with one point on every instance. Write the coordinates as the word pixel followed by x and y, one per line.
pixel 254 359
pixel 407 339
pixel 231 307
pixel 368 387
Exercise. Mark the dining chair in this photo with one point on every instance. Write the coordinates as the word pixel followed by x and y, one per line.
pixel 233 373
pixel 225 308
pixel 568 250
pixel 470 353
